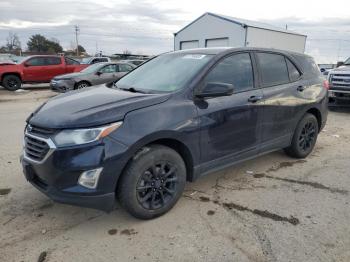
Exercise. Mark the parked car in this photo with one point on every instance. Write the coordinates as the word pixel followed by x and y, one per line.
pixel 339 84
pixel 174 119
pixel 94 60
pixel 101 73
pixel 135 62
pixel 36 69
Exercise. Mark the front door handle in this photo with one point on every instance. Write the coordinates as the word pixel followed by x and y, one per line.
pixel 254 99
pixel 301 88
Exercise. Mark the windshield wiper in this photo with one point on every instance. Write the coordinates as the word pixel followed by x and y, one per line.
pixel 132 89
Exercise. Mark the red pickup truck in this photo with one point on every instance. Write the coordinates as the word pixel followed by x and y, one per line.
pixel 36 69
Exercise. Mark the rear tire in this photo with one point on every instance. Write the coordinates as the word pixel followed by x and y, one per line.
pixel 153 182
pixel 12 82
pixel 304 138
pixel 82 85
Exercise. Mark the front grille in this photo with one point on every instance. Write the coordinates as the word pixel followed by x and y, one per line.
pixel 41 131
pixel 35 149
pixel 340 80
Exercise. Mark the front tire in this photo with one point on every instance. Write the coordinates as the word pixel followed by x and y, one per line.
pixel 153 182
pixel 304 138
pixel 12 82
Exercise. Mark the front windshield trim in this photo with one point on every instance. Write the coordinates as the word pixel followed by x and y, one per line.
pixel 173 72
pixel 347 61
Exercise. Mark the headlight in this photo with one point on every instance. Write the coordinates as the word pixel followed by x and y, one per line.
pixel 71 137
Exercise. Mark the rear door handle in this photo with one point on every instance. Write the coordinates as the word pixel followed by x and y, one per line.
pixel 254 99
pixel 301 88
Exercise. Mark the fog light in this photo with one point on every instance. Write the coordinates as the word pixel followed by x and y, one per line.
pixel 90 178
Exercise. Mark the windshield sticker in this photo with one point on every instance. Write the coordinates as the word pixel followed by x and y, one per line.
pixel 194 56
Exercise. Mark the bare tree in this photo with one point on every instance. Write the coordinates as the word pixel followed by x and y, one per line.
pixel 12 42
pixel 126 52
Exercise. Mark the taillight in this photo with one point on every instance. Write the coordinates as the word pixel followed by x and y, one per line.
pixel 326 84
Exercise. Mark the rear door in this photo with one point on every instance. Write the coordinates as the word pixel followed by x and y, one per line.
pixel 279 80
pixel 71 65
pixel 54 67
pixel 230 125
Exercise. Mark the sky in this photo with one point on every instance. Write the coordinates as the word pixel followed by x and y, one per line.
pixel 147 26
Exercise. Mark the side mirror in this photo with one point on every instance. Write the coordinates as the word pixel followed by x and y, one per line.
pixel 340 63
pixel 216 89
pixel 26 64
pixel 322 70
pixel 99 73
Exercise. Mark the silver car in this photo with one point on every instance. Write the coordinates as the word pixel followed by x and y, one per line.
pixel 96 74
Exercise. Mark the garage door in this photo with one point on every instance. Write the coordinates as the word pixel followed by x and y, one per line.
pixel 189 44
pixel 217 42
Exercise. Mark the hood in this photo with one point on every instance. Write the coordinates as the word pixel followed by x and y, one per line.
pixel 342 68
pixel 71 75
pixel 91 107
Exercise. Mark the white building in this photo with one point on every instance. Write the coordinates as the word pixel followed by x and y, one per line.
pixel 213 30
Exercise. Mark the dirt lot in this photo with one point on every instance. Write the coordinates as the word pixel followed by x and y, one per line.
pixel 273 208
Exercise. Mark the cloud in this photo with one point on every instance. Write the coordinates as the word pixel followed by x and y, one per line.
pixel 114 26
pixel 147 25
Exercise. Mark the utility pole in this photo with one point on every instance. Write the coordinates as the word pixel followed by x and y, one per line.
pixel 76 28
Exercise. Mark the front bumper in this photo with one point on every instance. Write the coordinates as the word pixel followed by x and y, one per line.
pixel 339 97
pixel 57 176
pixel 62 86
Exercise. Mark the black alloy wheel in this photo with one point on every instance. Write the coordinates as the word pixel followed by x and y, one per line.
pixel 152 182
pixel 307 136
pixel 304 138
pixel 157 185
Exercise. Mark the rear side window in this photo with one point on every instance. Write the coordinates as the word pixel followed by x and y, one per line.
pixel 308 65
pixel 53 60
pixel 273 69
pixel 294 73
pixel 236 70
pixel 70 61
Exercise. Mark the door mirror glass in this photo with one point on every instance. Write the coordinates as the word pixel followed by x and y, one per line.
pixel 216 89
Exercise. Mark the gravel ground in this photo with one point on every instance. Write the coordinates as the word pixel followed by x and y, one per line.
pixel 272 208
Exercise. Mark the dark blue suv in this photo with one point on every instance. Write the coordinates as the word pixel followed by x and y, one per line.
pixel 177 117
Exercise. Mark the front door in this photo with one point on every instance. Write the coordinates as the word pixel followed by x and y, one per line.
pixel 230 125
pixel 106 74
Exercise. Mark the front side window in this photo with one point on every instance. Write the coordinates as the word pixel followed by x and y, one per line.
pixel 165 73
pixel 273 69
pixel 36 61
pixel 236 70
pixel 124 68
pixel 109 69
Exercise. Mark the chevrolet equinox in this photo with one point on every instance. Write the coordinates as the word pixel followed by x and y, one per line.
pixel 177 117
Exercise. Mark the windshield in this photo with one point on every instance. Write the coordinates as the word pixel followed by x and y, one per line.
pixel 165 73
pixel 91 69
pixel 347 62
